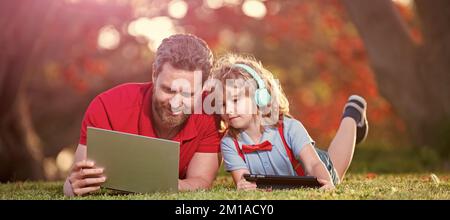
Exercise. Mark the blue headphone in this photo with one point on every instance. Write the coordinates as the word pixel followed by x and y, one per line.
pixel 262 96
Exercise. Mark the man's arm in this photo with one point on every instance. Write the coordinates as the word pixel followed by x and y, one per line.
pixel 201 172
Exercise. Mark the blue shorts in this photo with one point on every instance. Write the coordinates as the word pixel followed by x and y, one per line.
pixel 323 155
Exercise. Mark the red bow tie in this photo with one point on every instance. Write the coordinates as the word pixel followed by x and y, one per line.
pixel 264 146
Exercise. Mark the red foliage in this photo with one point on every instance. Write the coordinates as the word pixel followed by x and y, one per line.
pixel 371 176
pixel 312 45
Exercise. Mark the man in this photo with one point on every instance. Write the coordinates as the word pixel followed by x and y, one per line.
pixel 157 109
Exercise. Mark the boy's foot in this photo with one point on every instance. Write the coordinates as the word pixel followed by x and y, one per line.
pixel 356 108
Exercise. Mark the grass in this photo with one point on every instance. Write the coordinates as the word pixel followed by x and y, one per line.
pixel 383 158
pixel 356 186
pixel 377 172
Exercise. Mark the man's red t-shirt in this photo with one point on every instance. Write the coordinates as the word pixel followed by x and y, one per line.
pixel 127 108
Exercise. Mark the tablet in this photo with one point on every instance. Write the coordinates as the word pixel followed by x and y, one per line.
pixel 283 182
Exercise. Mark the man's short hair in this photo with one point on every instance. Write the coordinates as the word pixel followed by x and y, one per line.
pixel 186 52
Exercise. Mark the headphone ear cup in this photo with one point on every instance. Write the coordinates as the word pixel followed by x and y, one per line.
pixel 262 97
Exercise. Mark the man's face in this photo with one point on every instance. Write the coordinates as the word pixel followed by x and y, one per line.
pixel 173 95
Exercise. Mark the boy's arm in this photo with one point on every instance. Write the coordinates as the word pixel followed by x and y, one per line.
pixel 238 174
pixel 240 181
pixel 315 167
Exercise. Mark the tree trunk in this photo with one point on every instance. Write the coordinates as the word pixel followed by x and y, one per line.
pixel 22 25
pixel 21 157
pixel 413 78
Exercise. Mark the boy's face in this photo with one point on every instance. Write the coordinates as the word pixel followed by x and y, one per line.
pixel 239 107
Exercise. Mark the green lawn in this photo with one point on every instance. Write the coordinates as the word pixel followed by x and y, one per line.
pixel 356 186
pixel 377 172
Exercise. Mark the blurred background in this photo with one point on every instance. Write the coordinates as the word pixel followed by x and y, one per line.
pixel 56 55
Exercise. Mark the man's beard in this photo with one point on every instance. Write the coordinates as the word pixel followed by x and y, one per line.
pixel 166 117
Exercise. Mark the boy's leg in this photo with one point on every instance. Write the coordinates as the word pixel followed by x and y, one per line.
pixel 343 145
pixel 352 130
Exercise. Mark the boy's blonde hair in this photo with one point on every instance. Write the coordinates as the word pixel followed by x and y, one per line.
pixel 224 69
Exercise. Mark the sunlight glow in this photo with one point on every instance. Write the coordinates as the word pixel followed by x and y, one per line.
pixel 152 29
pixel 404 2
pixel 65 159
pixel 232 2
pixel 108 38
pixel 50 168
pixel 214 4
pixel 255 9
pixel 177 8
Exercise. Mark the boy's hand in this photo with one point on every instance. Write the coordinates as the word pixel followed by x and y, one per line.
pixel 85 178
pixel 326 185
pixel 243 184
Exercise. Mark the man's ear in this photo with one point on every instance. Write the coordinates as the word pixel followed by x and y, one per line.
pixel 153 77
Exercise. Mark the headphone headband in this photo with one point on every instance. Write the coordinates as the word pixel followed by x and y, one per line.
pixel 253 73
pixel 262 95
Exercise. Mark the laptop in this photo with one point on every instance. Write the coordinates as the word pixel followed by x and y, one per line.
pixel 282 182
pixel 134 163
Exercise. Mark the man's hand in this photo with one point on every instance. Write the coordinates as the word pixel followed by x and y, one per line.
pixel 85 177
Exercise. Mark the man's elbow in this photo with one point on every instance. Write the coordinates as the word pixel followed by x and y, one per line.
pixel 67 189
pixel 206 183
